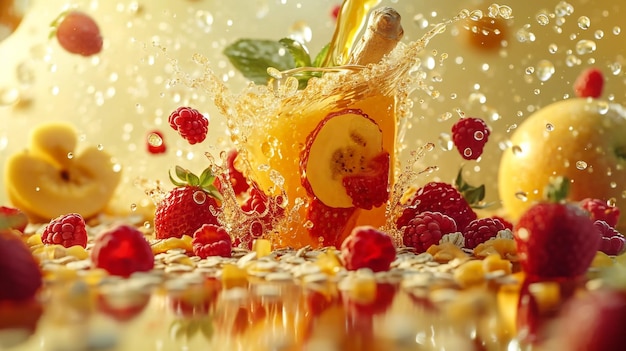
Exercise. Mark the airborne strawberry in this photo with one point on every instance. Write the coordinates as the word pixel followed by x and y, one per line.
pixel 194 202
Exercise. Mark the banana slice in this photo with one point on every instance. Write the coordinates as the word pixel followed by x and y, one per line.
pixel 45 183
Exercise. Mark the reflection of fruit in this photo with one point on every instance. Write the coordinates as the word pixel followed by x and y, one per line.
pixel 578 139
pixel 556 240
pixel 20 316
pixel 79 34
pixel 122 251
pixel 367 247
pixel 122 305
pixel 59 180
pixel 604 316
pixel 343 145
pixel 67 230
pixel 194 202
pixel 21 277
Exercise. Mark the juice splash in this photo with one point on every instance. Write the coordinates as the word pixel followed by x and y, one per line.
pixel 272 125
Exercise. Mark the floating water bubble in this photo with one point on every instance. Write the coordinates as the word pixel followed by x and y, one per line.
pixel 599 34
pixel 521 195
pixel 155 140
pixel 445 142
pixel 530 70
pixel 25 72
pixel 584 22
pixel 70 155
pixel 301 32
pixel 505 11
pixel 199 197
pixel 516 149
pixel 545 70
pixel 616 30
pixel 563 9
pixel 603 107
pixel 553 48
pixel 133 207
pixel 585 47
pixel 581 165
pixel 543 19
pixel 467 152
pixel 479 135
pixel 511 127
pixel 9 96
pixel 549 127
pixel 612 202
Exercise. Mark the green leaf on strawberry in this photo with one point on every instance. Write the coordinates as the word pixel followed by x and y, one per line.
pixel 474 195
pixel 205 181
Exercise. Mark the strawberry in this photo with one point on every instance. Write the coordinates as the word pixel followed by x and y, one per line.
pixel 600 210
pixel 470 135
pixel 122 251
pixel 613 242
pixel 556 239
pixel 13 218
pixel 480 230
pixel 330 222
pixel 194 202
pixel 594 321
pixel 438 197
pixel 155 142
pixel 189 123
pixel 367 247
pixel 211 240
pixel 589 83
pixel 78 33
pixel 370 188
pixel 426 229
pixel 66 230
pixel 237 179
pixel 21 277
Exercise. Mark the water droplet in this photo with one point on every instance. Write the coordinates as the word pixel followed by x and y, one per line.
pixel 155 140
pixel 100 147
pixel 274 73
pixel 599 34
pixel 603 107
pixel 563 9
pixel 476 15
pixel 553 48
pixel 133 207
pixel 70 155
pixel 9 96
pixel 543 19
pixel 611 202
pixel 147 224
pixel 549 127
pixel 467 152
pixel 301 32
pixel 37 189
pixel 511 128
pixel 479 135
pixel 584 22
pixel 545 70
pixel 445 142
pixel 616 30
pixel 505 11
pixel 199 197
pixel 516 149
pixel 585 47
pixel 25 72
pixel 581 165
pixel 521 195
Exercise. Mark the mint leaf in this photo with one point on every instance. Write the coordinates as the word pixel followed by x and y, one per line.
pixel 298 51
pixel 252 57
pixel 321 56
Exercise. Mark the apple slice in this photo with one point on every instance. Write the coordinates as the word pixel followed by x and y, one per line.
pixel 343 146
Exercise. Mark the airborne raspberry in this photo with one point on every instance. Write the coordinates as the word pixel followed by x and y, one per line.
pixel 190 124
pixel 470 136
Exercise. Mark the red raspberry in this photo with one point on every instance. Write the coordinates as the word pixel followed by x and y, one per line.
pixel 122 251
pixel 439 197
pixel 589 83
pixel 155 143
pixel 481 230
pixel 67 230
pixel 367 247
pixel 613 242
pixel 470 136
pixel 237 179
pixel 599 210
pixel 334 12
pixel 426 229
pixel 508 225
pixel 211 240
pixel 190 124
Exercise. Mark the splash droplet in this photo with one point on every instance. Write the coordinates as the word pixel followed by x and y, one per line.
pixel 199 197
pixel 521 195
pixel 584 22
pixel 545 70
pixel 581 165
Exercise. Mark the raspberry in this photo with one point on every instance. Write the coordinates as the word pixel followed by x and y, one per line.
pixel 613 242
pixel 122 251
pixel 599 210
pixel 211 240
pixel 438 197
pixel 470 136
pixel 155 143
pixel 507 225
pixel 190 124
pixel 67 230
pixel 367 247
pixel 426 229
pixel 481 230
pixel 589 83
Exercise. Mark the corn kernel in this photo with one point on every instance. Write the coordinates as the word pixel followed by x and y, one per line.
pixel 329 262
pixel 164 245
pixel 33 240
pixel 506 248
pixel 363 289
pixel 470 273
pixel 77 251
pixel 494 263
pixel 262 247
pixel 446 252
pixel 233 276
